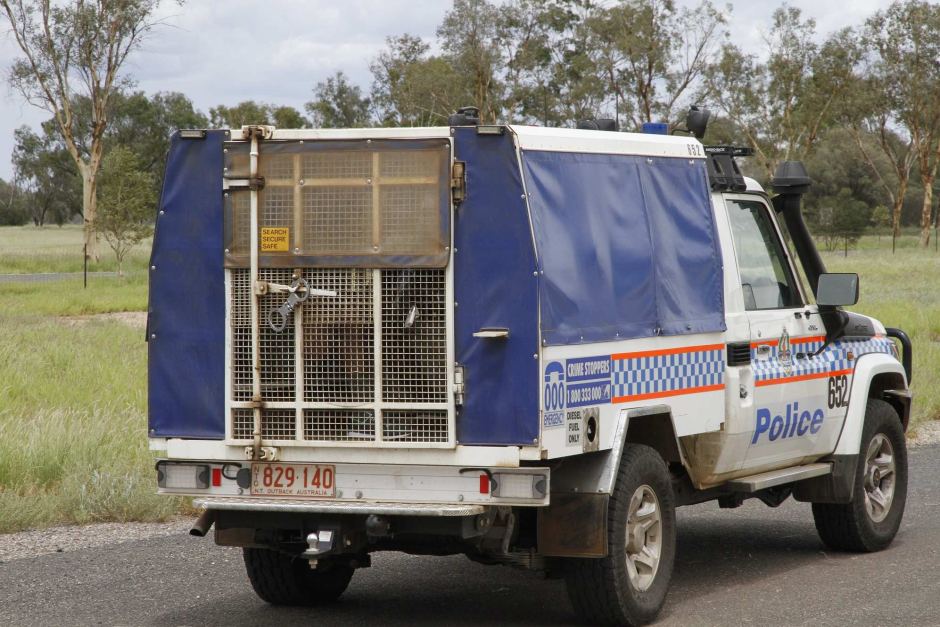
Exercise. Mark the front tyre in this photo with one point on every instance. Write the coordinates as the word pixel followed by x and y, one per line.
pixel 870 522
pixel 281 579
pixel 628 587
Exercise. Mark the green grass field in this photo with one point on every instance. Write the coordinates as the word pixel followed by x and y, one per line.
pixel 73 445
pixel 902 290
pixel 30 249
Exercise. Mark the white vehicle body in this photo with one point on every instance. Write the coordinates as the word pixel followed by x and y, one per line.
pixel 771 402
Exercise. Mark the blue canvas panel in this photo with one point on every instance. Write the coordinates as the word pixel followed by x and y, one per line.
pixel 686 251
pixel 186 321
pixel 495 286
pixel 627 246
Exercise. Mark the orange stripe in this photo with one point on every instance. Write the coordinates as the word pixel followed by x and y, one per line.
pixel 668 351
pixel 808 339
pixel 802 377
pixel 643 397
pixel 795 340
pixel 764 343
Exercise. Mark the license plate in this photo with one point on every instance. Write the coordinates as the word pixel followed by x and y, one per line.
pixel 293 480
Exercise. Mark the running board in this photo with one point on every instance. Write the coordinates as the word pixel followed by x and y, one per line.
pixel 778 477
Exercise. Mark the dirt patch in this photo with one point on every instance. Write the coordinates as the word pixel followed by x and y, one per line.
pixel 925 434
pixel 72 538
pixel 134 319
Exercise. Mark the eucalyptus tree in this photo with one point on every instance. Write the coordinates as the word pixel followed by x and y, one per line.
pixel 47 175
pixel 76 48
pixel 339 104
pixel 469 38
pixel 653 55
pixel 549 76
pixel 250 112
pixel 126 204
pixel 904 42
pixel 783 98
pixel 412 87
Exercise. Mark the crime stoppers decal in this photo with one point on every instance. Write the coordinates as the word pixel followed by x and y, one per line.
pixel 625 377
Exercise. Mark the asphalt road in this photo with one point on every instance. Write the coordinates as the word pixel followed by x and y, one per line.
pixel 752 565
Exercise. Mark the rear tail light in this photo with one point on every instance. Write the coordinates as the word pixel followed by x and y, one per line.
pixel 519 486
pixel 175 476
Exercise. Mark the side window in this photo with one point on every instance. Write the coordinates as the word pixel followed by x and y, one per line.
pixel 765 276
pixel 797 262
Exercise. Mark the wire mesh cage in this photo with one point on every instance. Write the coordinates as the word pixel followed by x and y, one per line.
pixel 369 364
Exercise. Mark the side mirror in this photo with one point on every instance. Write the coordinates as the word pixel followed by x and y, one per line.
pixel 837 289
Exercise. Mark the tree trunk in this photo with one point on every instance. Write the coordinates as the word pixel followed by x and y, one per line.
pixel 896 223
pixel 89 209
pixel 926 214
pixel 896 213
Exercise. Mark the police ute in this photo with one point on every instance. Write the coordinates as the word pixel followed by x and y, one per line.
pixel 525 345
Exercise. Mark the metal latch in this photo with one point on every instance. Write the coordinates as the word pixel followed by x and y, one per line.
pixel 298 292
pixel 458 182
pixel 261 131
pixel 252 183
pixel 264 454
pixel 459 385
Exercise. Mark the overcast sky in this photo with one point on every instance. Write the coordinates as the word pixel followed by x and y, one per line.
pixel 277 50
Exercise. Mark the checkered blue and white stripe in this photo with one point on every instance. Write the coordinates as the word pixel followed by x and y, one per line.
pixel 667 373
pixel 833 359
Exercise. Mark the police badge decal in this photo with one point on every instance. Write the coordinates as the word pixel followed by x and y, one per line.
pixel 784 356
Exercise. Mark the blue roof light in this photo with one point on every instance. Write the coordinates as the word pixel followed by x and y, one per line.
pixel 656 128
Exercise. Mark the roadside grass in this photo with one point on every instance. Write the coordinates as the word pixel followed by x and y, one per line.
pixel 31 249
pixel 902 290
pixel 69 298
pixel 73 424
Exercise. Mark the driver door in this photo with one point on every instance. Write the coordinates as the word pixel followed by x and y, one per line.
pixel 789 399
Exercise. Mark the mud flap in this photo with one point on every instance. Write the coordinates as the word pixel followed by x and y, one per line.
pixel 836 487
pixel 574 525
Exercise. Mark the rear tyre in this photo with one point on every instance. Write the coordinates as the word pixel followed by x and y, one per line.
pixel 281 579
pixel 628 587
pixel 870 522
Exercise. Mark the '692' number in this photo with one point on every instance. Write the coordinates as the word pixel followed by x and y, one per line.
pixel 838 391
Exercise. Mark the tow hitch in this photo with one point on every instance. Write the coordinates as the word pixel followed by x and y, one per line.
pixel 319 543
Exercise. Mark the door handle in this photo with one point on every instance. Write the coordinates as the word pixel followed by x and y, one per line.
pixel 492 333
pixel 763 350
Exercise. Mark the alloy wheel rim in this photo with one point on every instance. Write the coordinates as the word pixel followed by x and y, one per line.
pixel 644 537
pixel 880 477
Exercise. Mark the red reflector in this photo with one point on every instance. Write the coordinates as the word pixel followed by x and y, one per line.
pixel 216 477
pixel 484 484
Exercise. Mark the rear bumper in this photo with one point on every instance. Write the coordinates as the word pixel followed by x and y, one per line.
pixel 415 490
pixel 255 504
pixel 485 456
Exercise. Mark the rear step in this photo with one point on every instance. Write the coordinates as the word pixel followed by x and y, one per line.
pixel 249 504
pixel 778 477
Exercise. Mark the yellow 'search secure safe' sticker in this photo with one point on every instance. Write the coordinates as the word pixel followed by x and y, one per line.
pixel 275 239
